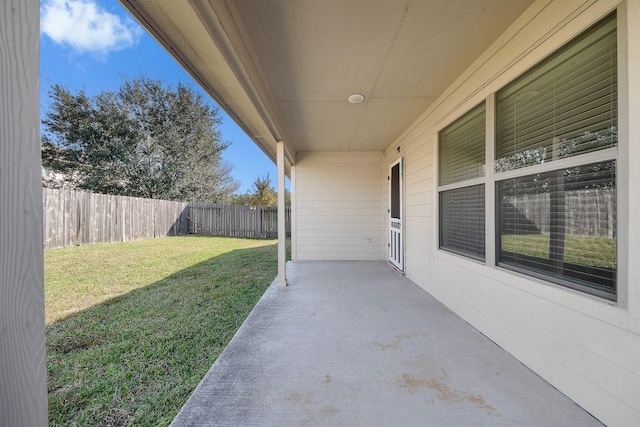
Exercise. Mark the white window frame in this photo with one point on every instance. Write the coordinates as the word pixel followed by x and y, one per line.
pixel 618 153
pixel 462 184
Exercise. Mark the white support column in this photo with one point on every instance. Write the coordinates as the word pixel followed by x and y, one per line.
pixel 23 372
pixel 294 225
pixel 282 230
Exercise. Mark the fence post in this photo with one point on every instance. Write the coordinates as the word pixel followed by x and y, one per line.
pixel 258 221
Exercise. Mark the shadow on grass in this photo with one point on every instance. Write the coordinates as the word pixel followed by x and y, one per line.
pixel 135 359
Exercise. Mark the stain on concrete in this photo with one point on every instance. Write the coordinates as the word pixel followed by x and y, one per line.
pixel 412 384
pixel 328 410
pixel 419 361
pixel 312 415
pixel 301 400
pixel 294 397
pixel 409 382
pixel 327 379
pixel 393 345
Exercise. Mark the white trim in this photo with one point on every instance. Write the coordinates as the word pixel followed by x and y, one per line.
pixel 399 260
pixel 435 214
pixel 623 183
pixel 462 184
pixel 482 180
pixel 553 165
pixel 629 106
pixel 490 188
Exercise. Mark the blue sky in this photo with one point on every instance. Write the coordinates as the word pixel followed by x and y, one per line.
pixel 92 44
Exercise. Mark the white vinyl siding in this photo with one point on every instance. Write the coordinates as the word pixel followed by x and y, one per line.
pixel 338 202
pixel 585 346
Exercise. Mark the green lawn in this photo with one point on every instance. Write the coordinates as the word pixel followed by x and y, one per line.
pixel 133 327
pixel 581 250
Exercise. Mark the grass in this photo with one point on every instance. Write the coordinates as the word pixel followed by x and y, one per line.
pixel 581 250
pixel 133 327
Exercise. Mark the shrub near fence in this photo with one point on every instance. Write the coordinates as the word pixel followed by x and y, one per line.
pixel 74 218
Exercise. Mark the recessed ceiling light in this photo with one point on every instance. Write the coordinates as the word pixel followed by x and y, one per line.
pixel 356 98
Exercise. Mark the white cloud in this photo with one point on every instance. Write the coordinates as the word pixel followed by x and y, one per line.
pixel 86 27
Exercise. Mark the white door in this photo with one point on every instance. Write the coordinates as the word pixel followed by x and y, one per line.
pixel 396 245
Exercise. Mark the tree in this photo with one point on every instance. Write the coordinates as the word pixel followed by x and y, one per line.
pixel 144 140
pixel 263 194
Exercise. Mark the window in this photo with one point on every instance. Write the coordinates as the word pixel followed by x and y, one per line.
pixel 553 169
pixel 461 185
pixel 395 191
pixel 561 225
pixel 559 222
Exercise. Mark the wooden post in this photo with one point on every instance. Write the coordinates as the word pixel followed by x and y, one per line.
pixel 23 376
pixel 258 219
pixel 282 230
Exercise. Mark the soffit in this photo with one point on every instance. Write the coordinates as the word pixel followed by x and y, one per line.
pixel 301 59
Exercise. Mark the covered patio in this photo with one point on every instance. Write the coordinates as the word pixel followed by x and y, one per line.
pixel 353 343
pixel 351 100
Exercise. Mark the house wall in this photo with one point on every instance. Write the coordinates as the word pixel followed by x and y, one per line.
pixel 23 375
pixel 587 347
pixel 337 200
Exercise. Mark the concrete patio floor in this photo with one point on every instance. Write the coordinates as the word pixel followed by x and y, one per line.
pixel 355 344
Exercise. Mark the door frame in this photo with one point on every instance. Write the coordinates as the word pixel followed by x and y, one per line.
pixel 396 229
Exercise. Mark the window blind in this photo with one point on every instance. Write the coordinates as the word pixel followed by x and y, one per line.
pixel 462 221
pixel 566 105
pixel 462 158
pixel 461 149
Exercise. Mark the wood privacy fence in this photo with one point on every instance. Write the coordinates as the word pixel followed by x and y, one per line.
pixel 74 218
pixel 588 212
pixel 236 220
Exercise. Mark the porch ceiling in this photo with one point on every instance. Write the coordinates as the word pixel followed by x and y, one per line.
pixel 283 69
